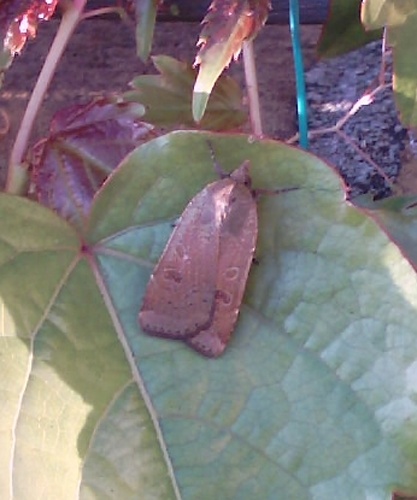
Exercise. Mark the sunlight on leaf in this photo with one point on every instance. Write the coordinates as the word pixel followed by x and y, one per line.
pixel 380 13
pixel 315 390
pixel 400 20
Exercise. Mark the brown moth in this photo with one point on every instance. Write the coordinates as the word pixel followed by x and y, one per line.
pixel 196 289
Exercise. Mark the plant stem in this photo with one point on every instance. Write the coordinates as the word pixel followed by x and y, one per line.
pixel 17 173
pixel 106 10
pixel 252 88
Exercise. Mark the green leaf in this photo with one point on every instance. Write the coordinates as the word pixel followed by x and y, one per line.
pixel 400 19
pixel 167 97
pixel 343 30
pixel 379 13
pixel 314 397
pixel 6 59
pixel 145 11
pixel 67 391
pixel 398 216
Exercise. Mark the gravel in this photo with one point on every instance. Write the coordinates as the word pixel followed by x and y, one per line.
pixel 333 87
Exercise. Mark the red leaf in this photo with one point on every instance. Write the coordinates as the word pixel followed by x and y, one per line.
pixel 19 20
pixel 229 23
pixel 85 145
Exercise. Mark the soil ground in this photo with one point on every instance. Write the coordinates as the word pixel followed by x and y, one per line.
pixel 101 58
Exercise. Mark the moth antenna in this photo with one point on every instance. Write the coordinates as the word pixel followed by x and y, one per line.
pixel 272 192
pixel 217 167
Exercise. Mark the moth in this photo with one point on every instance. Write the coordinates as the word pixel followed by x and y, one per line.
pixel 196 289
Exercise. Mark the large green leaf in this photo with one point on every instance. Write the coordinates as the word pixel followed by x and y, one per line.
pixel 314 397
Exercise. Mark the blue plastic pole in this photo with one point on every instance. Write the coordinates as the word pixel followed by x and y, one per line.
pixel 299 73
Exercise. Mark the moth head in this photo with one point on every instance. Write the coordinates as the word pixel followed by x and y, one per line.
pixel 241 174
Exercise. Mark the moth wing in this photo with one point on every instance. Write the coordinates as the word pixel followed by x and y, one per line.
pixel 180 296
pixel 238 236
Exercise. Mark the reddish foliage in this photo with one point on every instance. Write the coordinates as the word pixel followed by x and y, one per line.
pixel 85 145
pixel 19 20
pixel 232 21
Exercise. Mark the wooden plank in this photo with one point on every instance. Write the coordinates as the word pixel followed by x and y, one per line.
pixel 311 11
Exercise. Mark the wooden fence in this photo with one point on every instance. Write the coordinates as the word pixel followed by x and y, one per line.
pixel 311 11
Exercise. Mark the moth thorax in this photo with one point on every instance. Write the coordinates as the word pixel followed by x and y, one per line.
pixel 221 202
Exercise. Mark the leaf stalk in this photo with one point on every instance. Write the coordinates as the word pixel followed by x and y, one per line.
pixel 17 175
